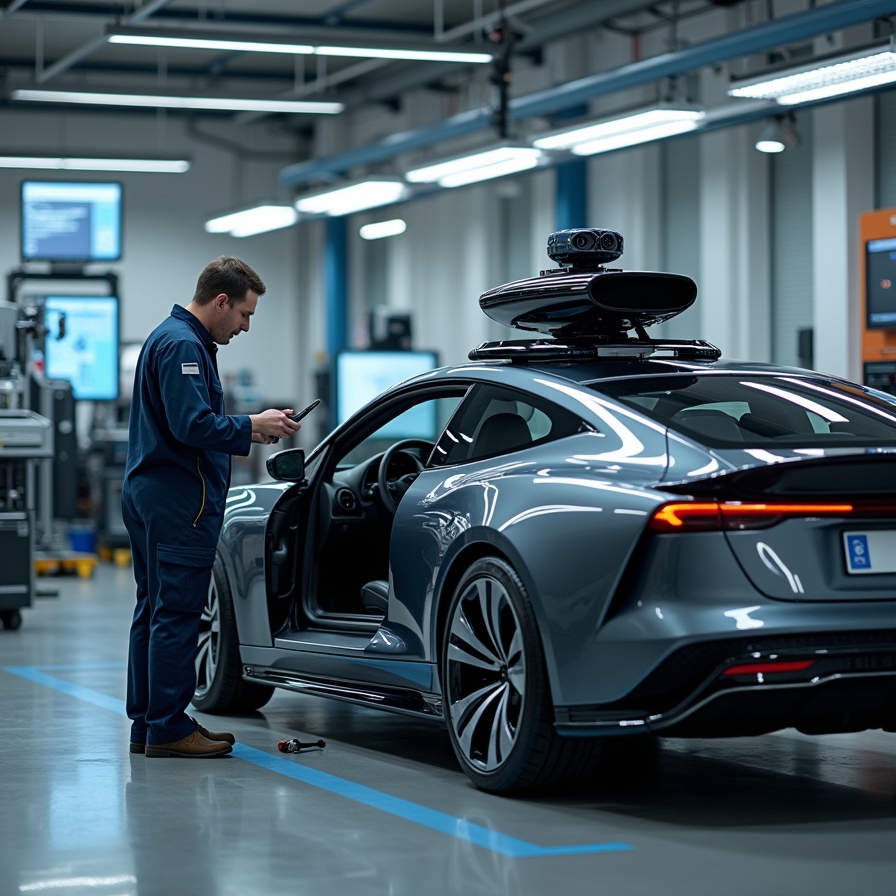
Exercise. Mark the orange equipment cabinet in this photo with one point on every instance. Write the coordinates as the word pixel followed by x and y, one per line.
pixel 878 342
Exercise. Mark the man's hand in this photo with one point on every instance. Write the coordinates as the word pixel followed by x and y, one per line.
pixel 272 423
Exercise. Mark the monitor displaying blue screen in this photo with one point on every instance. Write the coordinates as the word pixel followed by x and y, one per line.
pixel 362 375
pixel 880 275
pixel 71 222
pixel 87 355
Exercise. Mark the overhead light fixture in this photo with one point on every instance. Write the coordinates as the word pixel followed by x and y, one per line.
pixel 381 229
pixel 218 104
pixel 777 135
pixel 405 53
pixel 250 221
pixel 822 80
pixel 211 43
pixel 356 197
pixel 643 126
pixel 257 46
pixel 478 166
pixel 71 163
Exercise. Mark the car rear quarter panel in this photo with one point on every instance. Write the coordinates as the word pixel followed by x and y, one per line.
pixel 564 523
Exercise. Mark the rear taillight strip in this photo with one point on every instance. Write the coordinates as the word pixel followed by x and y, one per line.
pixel 702 516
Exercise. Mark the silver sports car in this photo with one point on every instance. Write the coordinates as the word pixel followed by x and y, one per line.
pixel 609 535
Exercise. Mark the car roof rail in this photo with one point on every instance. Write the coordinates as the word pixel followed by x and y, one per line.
pixel 525 350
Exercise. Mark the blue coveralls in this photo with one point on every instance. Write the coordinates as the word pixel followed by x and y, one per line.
pixel 176 480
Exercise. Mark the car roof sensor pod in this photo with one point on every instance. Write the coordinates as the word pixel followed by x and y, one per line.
pixel 585 304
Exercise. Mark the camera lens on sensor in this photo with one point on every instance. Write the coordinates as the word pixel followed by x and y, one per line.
pixel 583 241
pixel 608 242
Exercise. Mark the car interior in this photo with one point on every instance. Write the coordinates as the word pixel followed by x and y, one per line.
pixel 329 544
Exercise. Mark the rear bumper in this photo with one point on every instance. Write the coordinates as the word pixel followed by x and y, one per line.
pixel 846 688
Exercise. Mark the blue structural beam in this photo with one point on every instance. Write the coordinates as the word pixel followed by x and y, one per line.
pixel 336 279
pixel 572 194
pixel 756 39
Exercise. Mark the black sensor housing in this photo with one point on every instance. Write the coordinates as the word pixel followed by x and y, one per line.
pixel 583 300
pixel 585 248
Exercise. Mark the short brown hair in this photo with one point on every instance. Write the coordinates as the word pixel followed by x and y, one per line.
pixel 228 275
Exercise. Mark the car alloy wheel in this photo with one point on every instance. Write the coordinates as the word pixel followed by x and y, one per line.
pixel 209 640
pixel 485 674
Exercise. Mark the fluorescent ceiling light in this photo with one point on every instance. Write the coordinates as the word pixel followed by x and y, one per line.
pixel 627 130
pixel 382 229
pixel 250 221
pixel 152 166
pixel 220 104
pixel 256 46
pixel 478 166
pixel 398 53
pixel 846 74
pixel 208 43
pixel 353 198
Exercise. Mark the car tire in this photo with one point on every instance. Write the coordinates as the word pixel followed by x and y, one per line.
pixel 496 694
pixel 220 687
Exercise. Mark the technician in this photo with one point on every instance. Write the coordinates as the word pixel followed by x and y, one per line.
pixel 176 479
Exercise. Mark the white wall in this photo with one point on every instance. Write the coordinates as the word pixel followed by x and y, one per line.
pixel 842 188
pixel 165 245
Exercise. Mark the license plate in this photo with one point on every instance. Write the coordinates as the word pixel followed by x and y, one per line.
pixel 873 551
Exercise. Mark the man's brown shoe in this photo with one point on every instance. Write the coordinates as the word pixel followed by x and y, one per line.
pixel 193 746
pixel 211 735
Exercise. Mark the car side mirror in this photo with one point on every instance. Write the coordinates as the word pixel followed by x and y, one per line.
pixel 287 466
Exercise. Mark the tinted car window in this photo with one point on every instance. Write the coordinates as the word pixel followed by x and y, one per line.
pixel 422 421
pixel 493 421
pixel 745 411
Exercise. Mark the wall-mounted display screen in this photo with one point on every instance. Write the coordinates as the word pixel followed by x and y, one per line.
pixel 71 221
pixel 880 295
pixel 362 375
pixel 87 353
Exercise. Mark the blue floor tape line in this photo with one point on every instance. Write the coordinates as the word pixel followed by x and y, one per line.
pixel 430 818
pixel 503 844
pixel 88 695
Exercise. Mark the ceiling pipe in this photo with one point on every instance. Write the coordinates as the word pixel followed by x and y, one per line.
pixel 758 38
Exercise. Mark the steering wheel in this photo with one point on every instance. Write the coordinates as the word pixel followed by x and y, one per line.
pixel 392 490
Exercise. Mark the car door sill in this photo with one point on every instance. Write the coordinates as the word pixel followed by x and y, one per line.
pixel 324 641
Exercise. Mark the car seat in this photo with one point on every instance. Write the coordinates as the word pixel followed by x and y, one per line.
pixel 715 424
pixel 500 433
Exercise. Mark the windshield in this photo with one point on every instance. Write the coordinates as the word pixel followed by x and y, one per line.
pixel 745 411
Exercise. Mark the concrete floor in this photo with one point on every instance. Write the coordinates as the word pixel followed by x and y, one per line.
pixel 384 809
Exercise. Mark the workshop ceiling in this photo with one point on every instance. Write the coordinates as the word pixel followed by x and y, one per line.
pixel 62 44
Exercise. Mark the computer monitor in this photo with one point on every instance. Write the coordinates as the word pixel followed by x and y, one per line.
pixel 71 222
pixel 880 278
pixel 87 354
pixel 362 375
